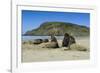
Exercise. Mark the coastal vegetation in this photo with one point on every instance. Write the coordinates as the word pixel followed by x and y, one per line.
pixel 58 29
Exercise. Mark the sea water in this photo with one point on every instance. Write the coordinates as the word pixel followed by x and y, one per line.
pixel 27 38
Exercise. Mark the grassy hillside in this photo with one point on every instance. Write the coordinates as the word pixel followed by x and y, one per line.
pixel 58 29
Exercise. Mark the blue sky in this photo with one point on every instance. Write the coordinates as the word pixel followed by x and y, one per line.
pixel 33 19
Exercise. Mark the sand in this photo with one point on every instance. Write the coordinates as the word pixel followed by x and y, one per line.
pixel 35 53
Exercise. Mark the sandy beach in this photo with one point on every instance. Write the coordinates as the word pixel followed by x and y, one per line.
pixel 35 53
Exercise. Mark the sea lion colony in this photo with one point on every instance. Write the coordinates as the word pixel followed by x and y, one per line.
pixel 68 41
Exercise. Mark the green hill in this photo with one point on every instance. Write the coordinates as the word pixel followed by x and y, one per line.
pixel 58 29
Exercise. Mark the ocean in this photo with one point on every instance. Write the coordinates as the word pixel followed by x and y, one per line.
pixel 27 38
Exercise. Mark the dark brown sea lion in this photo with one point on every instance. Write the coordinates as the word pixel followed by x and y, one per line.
pixel 68 40
pixel 37 41
pixel 45 40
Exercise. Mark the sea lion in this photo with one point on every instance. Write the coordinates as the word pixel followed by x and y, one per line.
pixel 72 40
pixel 78 47
pixel 50 45
pixel 65 42
pixel 37 41
pixel 54 42
pixel 53 38
pixel 68 40
pixel 45 40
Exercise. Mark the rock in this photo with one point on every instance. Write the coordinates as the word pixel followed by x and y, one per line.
pixel 45 40
pixel 37 41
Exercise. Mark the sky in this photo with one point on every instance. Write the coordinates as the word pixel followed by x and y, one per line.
pixel 33 19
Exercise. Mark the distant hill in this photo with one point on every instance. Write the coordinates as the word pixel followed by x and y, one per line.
pixel 58 29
